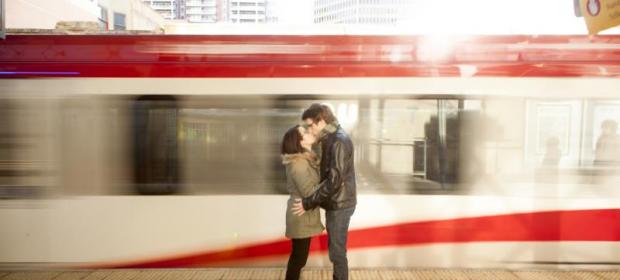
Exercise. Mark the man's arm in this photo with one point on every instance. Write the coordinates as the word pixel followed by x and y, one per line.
pixel 334 178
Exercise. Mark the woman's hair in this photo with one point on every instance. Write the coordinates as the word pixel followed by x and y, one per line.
pixel 291 142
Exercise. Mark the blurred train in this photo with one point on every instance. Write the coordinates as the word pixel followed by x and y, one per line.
pixel 133 151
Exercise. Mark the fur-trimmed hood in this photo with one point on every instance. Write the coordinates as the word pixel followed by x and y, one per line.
pixel 309 156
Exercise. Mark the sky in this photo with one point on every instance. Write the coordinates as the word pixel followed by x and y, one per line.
pixel 472 17
pixel 428 17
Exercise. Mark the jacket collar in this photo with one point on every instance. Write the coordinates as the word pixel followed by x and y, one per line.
pixel 329 129
pixel 309 156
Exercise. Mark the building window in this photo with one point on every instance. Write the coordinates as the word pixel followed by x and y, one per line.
pixel 2 23
pixel 119 21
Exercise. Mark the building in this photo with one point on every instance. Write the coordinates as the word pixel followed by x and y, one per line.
pixel 247 11
pixel 180 9
pixel 298 12
pixel 45 14
pixel 167 8
pixel 223 8
pixel 201 11
pixel 129 15
pixel 213 11
pixel 361 11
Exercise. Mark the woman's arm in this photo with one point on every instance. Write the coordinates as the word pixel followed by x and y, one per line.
pixel 304 177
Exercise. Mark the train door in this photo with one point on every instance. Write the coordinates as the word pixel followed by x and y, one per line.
pixel 155 145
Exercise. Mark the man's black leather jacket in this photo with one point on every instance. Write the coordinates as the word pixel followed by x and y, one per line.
pixel 337 188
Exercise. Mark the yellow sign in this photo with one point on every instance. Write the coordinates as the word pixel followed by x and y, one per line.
pixel 600 14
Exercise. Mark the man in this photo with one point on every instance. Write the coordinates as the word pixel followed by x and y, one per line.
pixel 336 192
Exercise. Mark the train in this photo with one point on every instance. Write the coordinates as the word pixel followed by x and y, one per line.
pixel 161 151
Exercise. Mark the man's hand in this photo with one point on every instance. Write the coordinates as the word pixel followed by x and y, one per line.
pixel 298 207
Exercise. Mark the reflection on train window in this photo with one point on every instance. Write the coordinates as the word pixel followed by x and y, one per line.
pixel 155 145
pixel 568 142
pixel 573 133
pixel 603 143
pixel 409 145
pixel 555 132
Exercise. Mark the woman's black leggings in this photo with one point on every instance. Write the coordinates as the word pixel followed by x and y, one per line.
pixel 298 258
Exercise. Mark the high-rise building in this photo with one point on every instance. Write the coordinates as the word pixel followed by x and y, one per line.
pixel 201 11
pixel 246 11
pixel 361 11
pixel 297 12
pixel 211 11
pixel 223 8
pixel 167 8
pixel 180 9
pixel 129 15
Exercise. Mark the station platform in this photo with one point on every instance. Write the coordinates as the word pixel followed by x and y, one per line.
pixel 308 274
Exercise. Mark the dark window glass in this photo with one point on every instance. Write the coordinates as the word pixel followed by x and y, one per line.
pixel 155 145
pixel 119 21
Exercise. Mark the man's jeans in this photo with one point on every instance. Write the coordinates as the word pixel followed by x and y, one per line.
pixel 337 231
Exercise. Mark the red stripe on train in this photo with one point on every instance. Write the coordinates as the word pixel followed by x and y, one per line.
pixel 184 56
pixel 573 225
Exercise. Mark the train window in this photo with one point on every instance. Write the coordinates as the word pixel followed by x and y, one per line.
pixel 601 144
pixel 538 144
pixel 227 149
pixel 231 146
pixel 25 160
pixel 8 147
pixel 119 21
pixel 554 132
pixel 155 145
pixel 92 161
pixel 411 145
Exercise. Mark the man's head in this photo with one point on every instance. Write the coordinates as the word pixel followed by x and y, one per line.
pixel 317 117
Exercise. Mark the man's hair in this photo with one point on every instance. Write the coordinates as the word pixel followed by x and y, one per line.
pixel 291 142
pixel 317 112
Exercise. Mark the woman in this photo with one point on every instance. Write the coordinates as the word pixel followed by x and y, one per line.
pixel 301 179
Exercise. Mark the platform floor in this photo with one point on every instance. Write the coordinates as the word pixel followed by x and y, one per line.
pixel 308 274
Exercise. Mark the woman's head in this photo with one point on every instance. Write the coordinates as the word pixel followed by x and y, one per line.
pixel 296 140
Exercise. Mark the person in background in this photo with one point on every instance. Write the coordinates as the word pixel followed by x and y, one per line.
pixel 607 151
